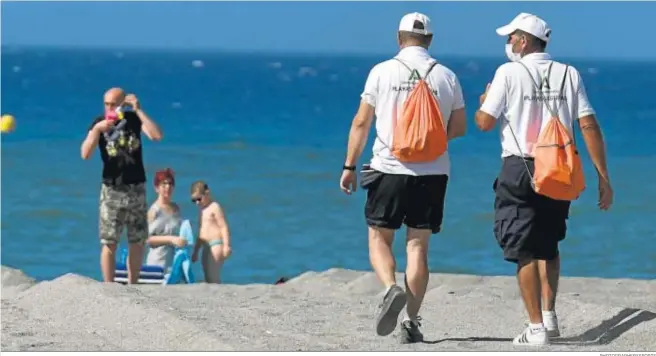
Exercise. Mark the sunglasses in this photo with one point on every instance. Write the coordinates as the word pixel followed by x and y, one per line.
pixel 196 200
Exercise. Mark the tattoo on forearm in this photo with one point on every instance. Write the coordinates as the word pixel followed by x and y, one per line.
pixel 590 127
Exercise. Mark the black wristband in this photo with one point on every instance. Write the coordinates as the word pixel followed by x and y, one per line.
pixel 349 168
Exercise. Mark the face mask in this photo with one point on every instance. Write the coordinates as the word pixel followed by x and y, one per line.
pixel 512 56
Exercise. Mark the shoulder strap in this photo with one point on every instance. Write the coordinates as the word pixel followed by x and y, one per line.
pixel 553 112
pixel 562 85
pixel 562 93
pixel 537 87
pixel 430 69
pixel 405 65
pixel 411 70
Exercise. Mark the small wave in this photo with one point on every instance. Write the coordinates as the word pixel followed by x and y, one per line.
pixel 176 105
pixel 307 71
pixel 197 63
pixel 593 71
pixel 275 65
pixel 334 77
pixel 16 69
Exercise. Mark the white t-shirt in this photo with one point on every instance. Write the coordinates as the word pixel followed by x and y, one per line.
pixel 512 97
pixel 386 89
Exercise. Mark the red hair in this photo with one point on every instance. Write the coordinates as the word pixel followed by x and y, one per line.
pixel 165 174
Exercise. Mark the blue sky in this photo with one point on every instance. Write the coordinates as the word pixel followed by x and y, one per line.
pixel 580 29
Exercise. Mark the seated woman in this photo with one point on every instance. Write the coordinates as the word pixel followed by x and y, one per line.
pixel 164 221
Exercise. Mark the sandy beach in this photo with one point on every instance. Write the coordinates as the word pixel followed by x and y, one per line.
pixel 328 311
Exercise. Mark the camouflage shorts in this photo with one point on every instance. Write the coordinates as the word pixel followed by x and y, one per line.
pixel 123 207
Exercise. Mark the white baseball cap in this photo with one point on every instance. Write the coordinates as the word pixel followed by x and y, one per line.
pixel 528 23
pixel 408 24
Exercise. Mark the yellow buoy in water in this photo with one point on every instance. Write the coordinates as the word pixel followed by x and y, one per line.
pixel 7 124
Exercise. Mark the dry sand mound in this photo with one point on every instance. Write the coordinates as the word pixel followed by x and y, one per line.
pixel 14 282
pixel 332 310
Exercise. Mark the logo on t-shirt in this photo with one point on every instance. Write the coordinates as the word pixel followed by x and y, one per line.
pixel 545 93
pixel 121 141
pixel 408 85
pixel 414 76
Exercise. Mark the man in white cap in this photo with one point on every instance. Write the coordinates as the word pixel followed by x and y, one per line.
pixel 399 192
pixel 524 95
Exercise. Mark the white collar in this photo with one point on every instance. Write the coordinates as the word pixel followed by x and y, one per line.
pixel 537 56
pixel 413 51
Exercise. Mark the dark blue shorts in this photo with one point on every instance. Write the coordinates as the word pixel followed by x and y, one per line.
pixel 527 225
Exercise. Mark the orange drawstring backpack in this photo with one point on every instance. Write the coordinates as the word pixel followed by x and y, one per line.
pixel 419 136
pixel 558 168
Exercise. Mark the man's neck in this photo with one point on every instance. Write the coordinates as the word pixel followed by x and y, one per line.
pixel 534 51
pixel 413 45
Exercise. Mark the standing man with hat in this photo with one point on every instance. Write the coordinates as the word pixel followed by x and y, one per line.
pixel 400 191
pixel 525 96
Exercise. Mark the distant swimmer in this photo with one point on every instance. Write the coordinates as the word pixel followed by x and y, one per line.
pixel 419 107
pixel 214 233
pixel 117 134
pixel 536 101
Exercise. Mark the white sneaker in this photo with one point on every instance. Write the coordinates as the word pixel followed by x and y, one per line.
pixel 532 337
pixel 551 323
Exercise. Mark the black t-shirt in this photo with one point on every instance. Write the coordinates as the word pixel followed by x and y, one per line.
pixel 120 149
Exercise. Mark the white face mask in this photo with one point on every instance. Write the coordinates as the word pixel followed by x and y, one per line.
pixel 513 57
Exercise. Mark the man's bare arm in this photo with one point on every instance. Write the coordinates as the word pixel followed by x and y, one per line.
pixel 359 132
pixel 594 141
pixel 484 121
pixel 149 127
pixel 90 143
pixel 457 126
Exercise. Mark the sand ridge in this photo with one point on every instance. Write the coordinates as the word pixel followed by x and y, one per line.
pixel 317 311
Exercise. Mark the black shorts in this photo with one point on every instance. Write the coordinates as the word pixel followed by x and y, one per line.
pixel 526 225
pixel 395 199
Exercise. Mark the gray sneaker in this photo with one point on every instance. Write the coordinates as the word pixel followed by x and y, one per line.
pixel 410 332
pixel 393 303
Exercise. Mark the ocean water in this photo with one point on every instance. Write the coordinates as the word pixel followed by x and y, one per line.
pixel 268 132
